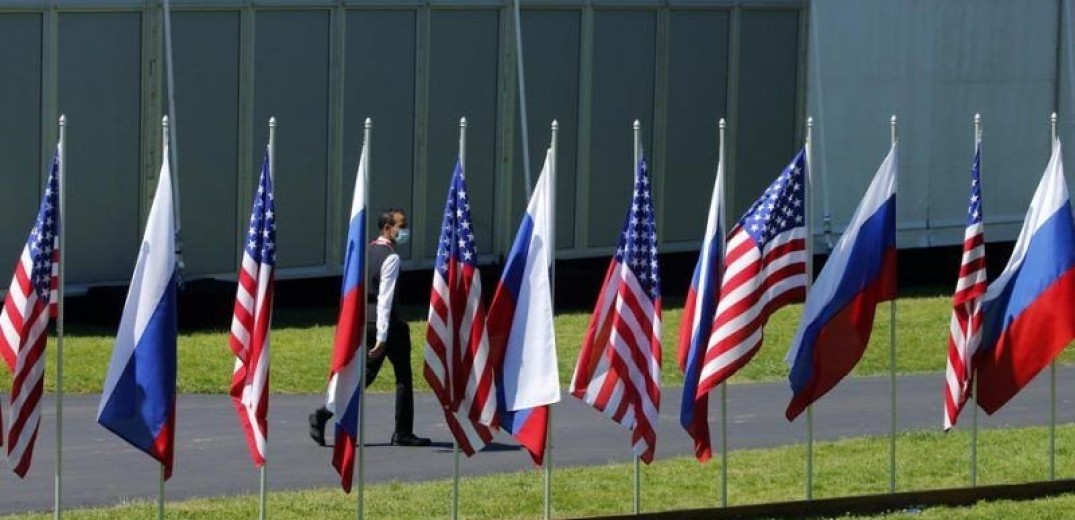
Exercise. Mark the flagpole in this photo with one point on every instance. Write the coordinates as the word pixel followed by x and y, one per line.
pixel 455 442
pixel 723 385
pixel 974 378
pixel 363 349
pixel 164 158
pixel 1052 365
pixel 551 201
pixel 810 283
pixel 173 137
pixel 637 126
pixel 263 480
pixel 892 364
pixel 57 499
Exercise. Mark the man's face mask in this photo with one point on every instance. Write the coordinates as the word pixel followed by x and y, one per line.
pixel 403 236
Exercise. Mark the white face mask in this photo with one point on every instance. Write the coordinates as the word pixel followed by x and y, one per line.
pixel 403 236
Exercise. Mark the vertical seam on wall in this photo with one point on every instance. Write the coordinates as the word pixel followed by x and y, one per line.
pixel 660 113
pixel 334 196
pixel 152 63
pixel 731 137
pixel 247 59
pixel 582 170
pixel 49 88
pixel 506 105
pixel 421 114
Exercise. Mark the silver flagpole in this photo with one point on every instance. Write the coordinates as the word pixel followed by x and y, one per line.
pixel 1052 364
pixel 455 443
pixel 892 365
pixel 555 130
pixel 809 283
pixel 364 159
pixel 174 139
pixel 57 499
pixel 263 480
pixel 637 126
pixel 522 96
pixel 164 158
pixel 722 125
pixel 974 376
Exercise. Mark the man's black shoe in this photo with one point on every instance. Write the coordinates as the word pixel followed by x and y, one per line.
pixel 317 425
pixel 409 439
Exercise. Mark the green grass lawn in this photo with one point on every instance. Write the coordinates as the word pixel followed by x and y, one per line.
pixel 302 342
pixel 848 467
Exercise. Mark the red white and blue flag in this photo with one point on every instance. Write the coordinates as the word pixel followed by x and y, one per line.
pixel 252 318
pixel 698 313
pixel 619 366
pixel 765 269
pixel 138 403
pixel 1028 308
pixel 838 316
pixel 345 379
pixel 521 333
pixel 965 327
pixel 457 363
pixel 31 301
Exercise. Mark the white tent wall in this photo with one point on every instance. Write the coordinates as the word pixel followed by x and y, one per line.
pixel 934 65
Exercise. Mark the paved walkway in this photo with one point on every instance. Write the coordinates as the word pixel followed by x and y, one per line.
pixel 212 457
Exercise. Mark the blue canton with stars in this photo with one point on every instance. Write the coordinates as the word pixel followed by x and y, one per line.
pixel 261 236
pixel 638 241
pixel 974 212
pixel 781 207
pixel 43 237
pixel 457 232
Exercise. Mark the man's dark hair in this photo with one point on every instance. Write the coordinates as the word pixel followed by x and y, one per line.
pixel 387 217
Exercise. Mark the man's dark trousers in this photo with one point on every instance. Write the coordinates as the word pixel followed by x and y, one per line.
pixel 398 351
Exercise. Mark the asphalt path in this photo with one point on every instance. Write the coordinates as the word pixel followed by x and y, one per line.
pixel 212 458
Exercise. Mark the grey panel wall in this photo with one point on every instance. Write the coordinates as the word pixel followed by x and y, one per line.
pixel 463 82
pixel 697 99
pixel 552 82
pixel 623 92
pixel 291 71
pixel 20 155
pixel 100 92
pixel 206 49
pixel 380 85
pixel 322 68
pixel 934 65
pixel 765 128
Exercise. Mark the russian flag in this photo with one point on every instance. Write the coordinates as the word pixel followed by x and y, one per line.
pixel 1029 310
pixel 697 321
pixel 138 403
pixel 520 324
pixel 345 380
pixel 839 312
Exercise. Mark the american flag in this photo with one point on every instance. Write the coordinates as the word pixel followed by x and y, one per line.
pixel 31 301
pixel 252 318
pixel 765 269
pixel 619 367
pixel 965 328
pixel 457 345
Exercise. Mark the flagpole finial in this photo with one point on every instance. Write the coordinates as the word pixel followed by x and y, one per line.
pixel 369 123
pixel 272 122
pixel 164 120
pixel 810 121
pixel 722 124
pixel 555 125
pixel 892 125
pixel 63 120
pixel 637 125
pixel 977 118
pixel 1053 118
pixel 463 122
